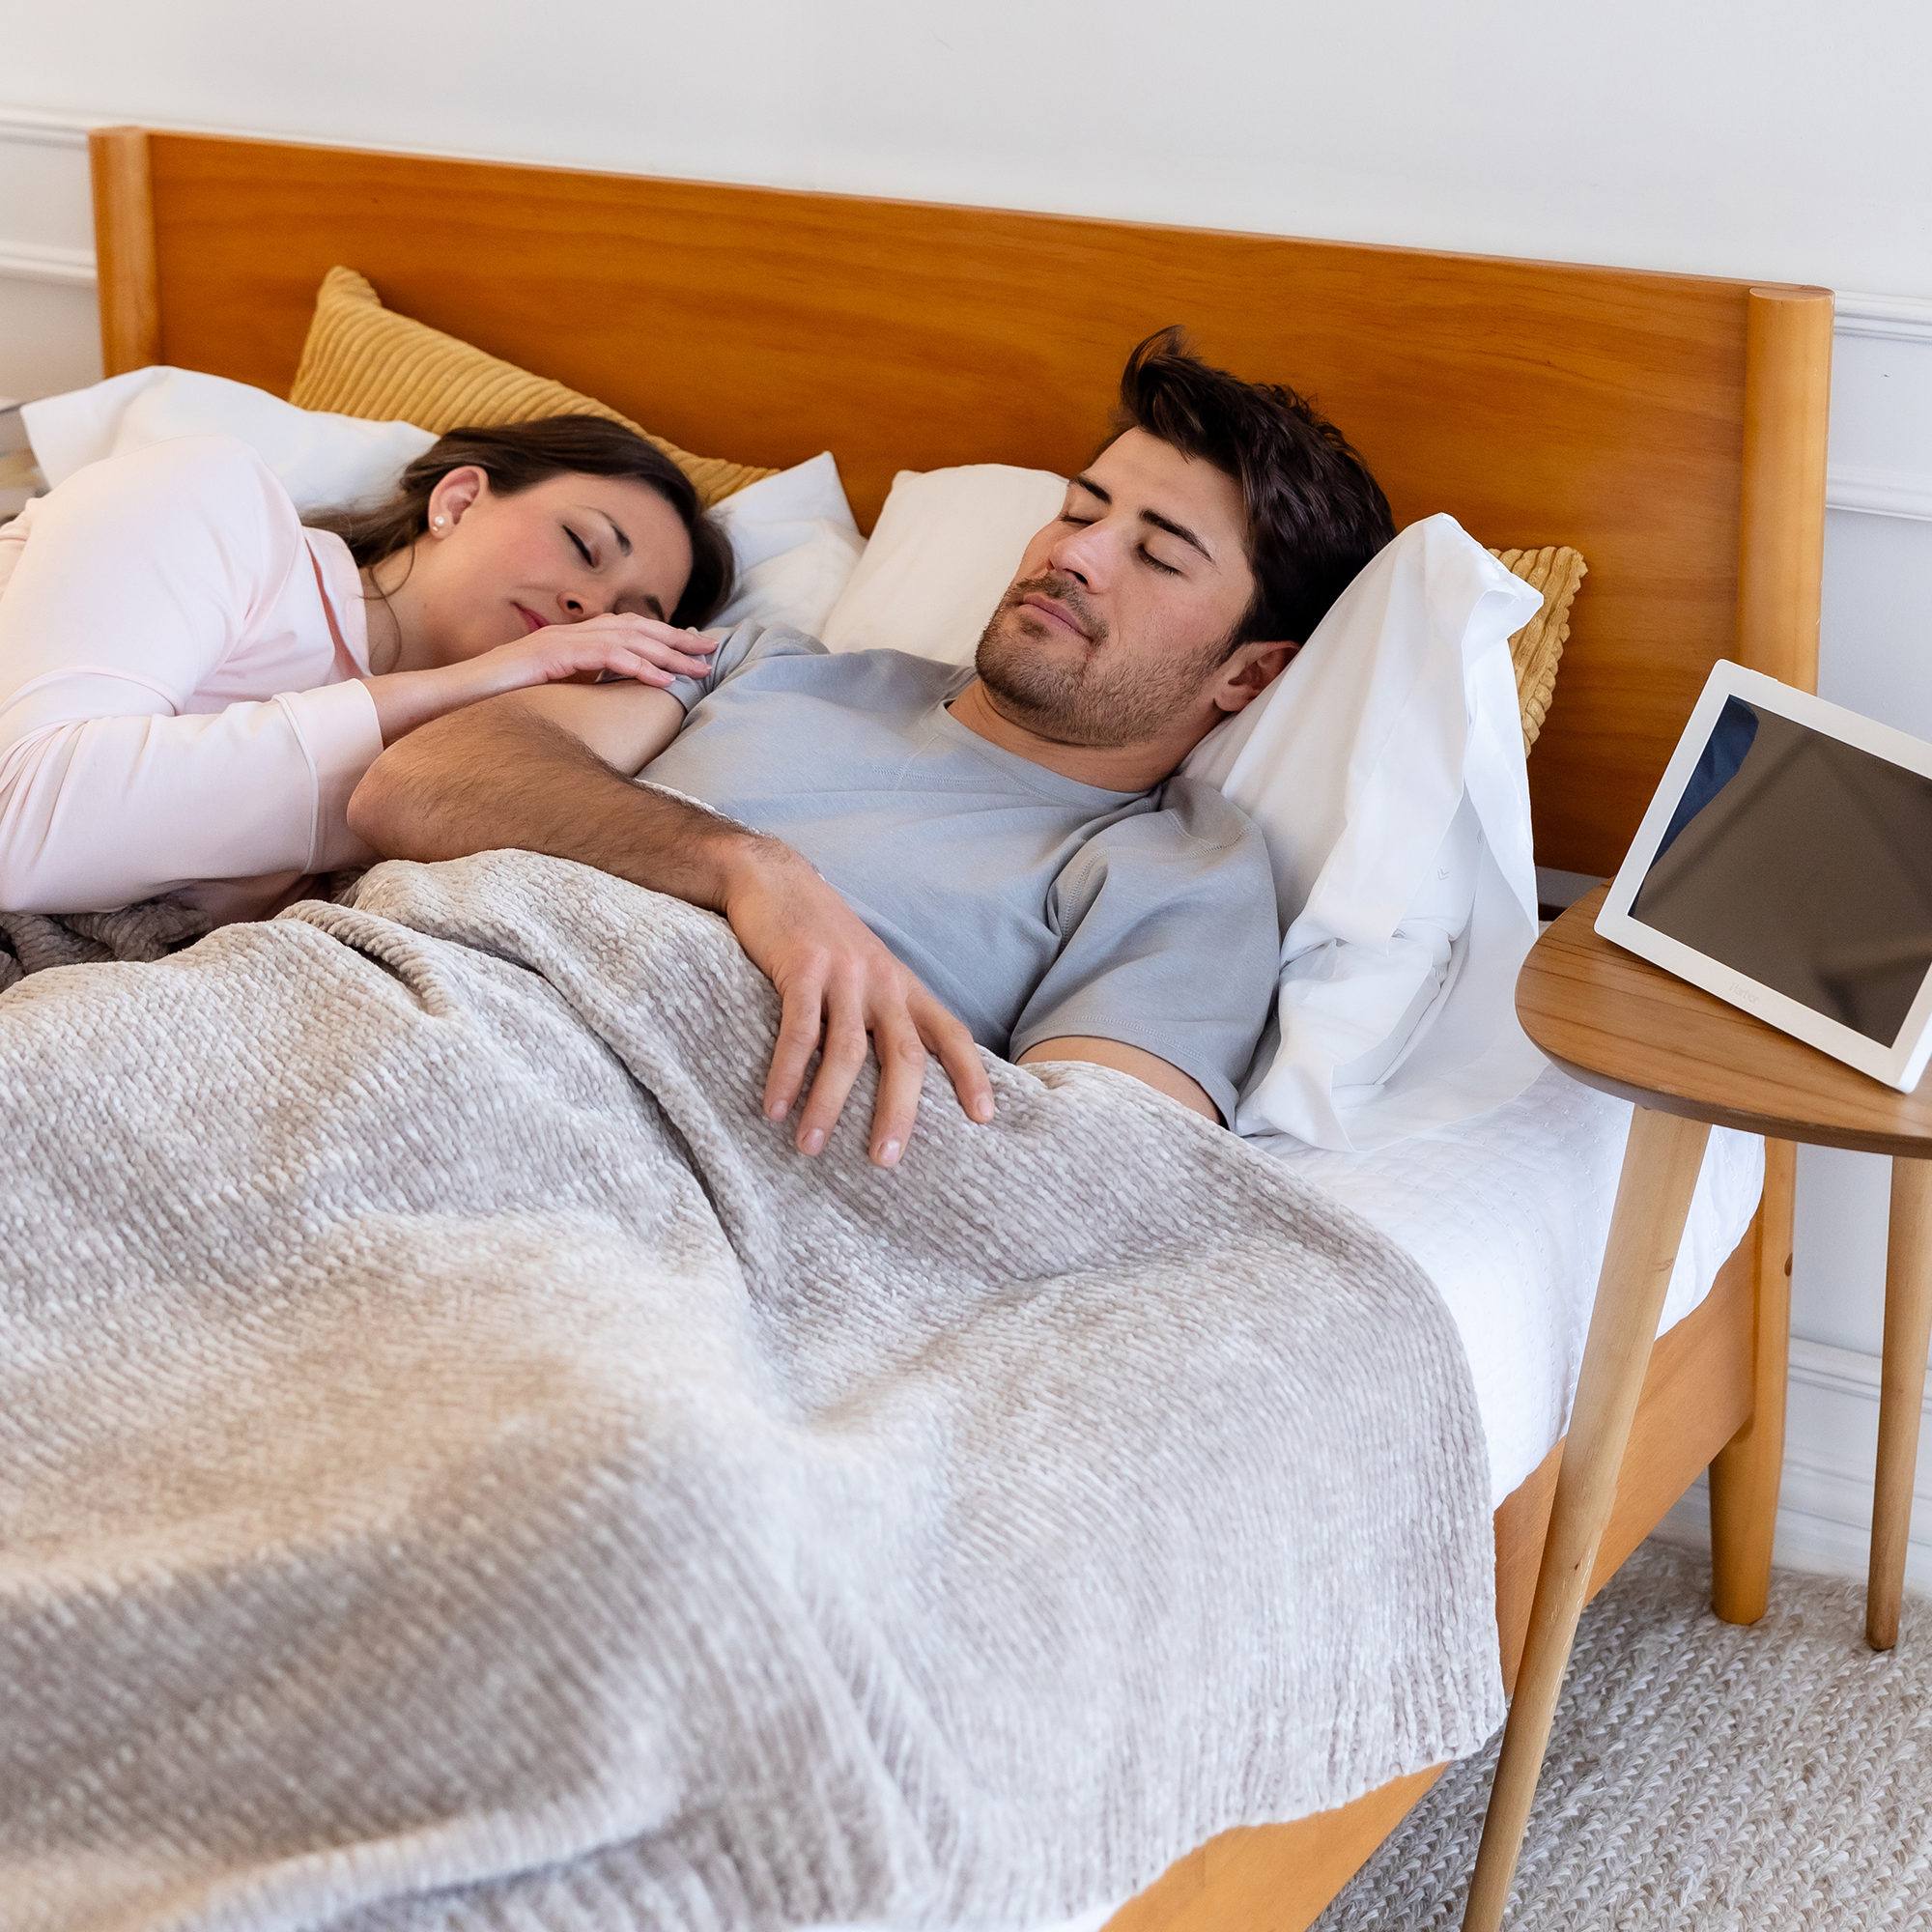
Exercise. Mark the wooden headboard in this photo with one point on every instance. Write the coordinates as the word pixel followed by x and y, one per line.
pixel 1671 427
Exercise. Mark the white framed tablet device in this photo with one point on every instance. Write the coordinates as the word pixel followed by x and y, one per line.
pixel 1786 864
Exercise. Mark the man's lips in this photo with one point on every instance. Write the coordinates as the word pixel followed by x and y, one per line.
pixel 531 621
pixel 1055 613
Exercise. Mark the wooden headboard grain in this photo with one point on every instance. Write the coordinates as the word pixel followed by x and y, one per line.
pixel 1671 427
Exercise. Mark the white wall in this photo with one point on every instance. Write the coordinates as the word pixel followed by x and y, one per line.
pixel 1771 139
pixel 1748 137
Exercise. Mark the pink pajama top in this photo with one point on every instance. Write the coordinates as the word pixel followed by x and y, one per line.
pixel 179 711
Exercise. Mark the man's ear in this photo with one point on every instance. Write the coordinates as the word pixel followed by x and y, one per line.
pixel 1249 672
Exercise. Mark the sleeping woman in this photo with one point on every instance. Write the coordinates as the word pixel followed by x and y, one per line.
pixel 191 683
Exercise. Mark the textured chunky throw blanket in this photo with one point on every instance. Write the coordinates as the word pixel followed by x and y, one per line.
pixel 459 1467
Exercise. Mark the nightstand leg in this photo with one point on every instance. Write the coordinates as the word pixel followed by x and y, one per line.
pixel 1750 1467
pixel 1660 1175
pixel 1908 1330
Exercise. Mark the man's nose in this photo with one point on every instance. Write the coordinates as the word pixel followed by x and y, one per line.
pixel 1080 554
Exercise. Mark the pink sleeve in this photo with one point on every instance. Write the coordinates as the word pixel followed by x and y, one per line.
pixel 142 574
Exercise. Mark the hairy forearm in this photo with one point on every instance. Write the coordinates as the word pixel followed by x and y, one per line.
pixel 498 775
pixel 503 773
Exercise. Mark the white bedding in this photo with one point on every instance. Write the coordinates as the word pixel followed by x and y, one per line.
pixel 1508 1213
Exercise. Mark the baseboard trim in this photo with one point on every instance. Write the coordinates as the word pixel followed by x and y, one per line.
pixel 1825 1502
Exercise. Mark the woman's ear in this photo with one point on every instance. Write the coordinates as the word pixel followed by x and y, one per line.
pixel 1249 672
pixel 453 495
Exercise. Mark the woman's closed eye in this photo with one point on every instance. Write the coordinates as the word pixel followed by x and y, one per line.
pixel 582 549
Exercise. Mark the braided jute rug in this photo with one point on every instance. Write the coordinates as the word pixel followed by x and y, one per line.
pixel 1776 1777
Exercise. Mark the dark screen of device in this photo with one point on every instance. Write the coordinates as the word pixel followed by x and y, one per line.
pixel 1805 864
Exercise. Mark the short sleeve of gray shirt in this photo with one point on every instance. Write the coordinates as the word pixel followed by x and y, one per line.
pixel 1031 905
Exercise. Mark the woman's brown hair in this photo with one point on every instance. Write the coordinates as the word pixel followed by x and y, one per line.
pixel 515 456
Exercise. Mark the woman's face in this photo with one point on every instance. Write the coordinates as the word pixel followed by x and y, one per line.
pixel 493 568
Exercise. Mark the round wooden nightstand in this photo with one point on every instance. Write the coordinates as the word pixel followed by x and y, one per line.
pixel 1688 1062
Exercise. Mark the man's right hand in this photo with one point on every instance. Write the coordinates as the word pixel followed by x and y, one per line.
pixel 521 770
pixel 840 985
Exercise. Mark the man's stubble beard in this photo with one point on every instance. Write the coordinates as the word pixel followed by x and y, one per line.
pixel 1100 701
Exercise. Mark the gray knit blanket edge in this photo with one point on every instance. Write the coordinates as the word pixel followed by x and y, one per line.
pixel 460 1468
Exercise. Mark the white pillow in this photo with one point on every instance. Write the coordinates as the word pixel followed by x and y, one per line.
pixel 946 546
pixel 1385 771
pixel 794 534
pixel 323 461
pixel 796 543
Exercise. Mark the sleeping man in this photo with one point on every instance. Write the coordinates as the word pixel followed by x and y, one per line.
pixel 926 858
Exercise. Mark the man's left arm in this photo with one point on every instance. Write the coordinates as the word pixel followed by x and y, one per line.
pixel 1169 953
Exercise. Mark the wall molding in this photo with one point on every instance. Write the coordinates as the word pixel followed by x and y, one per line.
pixel 1824 1505
pixel 1888 317
pixel 28 129
pixel 32 262
pixel 1865 490
pixel 1880 492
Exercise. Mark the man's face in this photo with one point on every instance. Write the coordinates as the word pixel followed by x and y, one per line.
pixel 1119 622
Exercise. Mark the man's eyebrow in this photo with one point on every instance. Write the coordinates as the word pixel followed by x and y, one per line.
pixel 1152 517
pixel 1174 530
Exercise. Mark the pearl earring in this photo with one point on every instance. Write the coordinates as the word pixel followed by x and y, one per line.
pixel 436 523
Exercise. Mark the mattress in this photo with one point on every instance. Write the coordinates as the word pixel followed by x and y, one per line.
pixel 1508 1213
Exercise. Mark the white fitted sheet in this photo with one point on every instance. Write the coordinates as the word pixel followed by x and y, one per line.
pixel 1508 1214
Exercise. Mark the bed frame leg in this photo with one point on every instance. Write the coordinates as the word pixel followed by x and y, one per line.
pixel 1744 1478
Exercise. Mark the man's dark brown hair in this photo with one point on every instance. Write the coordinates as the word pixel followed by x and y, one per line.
pixel 1315 514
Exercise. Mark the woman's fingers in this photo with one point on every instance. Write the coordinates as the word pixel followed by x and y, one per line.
pixel 620 642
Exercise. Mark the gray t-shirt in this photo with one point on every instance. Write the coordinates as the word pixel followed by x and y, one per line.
pixel 1031 906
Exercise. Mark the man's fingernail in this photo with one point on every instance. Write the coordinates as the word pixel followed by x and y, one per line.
pixel 887 1153
pixel 812 1142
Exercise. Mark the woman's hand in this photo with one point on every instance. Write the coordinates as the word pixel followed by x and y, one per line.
pixel 628 646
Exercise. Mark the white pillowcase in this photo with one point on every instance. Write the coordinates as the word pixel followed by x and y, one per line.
pixel 1386 772
pixel 324 461
pixel 946 546
pixel 796 544
pixel 1385 769
pixel 793 534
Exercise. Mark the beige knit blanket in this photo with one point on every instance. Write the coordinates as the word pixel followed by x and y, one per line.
pixel 460 1468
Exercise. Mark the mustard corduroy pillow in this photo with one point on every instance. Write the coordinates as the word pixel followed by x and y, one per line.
pixel 1555 571
pixel 362 359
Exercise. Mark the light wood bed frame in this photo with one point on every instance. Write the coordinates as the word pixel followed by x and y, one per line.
pixel 1670 427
